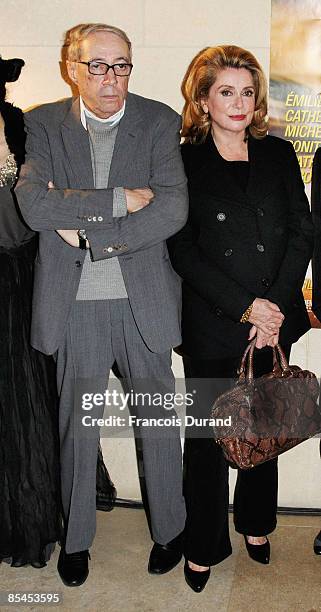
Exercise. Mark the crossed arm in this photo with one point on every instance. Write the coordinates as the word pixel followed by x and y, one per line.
pixel 136 199
pixel 160 208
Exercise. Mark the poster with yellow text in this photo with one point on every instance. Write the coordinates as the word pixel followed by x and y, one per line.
pixel 295 88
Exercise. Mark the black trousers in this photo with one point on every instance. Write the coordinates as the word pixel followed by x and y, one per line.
pixel 206 470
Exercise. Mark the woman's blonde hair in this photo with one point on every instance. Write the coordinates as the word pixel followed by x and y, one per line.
pixel 199 78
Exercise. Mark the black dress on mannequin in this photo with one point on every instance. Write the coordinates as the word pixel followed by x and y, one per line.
pixel 29 451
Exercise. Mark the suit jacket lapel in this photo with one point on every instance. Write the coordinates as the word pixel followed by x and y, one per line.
pixel 76 141
pixel 127 140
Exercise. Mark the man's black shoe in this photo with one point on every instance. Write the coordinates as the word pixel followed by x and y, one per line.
pixel 73 568
pixel 164 557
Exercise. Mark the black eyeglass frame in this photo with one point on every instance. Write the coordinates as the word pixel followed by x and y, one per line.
pixel 108 66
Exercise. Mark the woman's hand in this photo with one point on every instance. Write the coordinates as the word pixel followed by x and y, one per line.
pixel 273 340
pixel 263 339
pixel 266 316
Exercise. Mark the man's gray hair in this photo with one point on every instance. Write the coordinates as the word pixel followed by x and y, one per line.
pixel 74 37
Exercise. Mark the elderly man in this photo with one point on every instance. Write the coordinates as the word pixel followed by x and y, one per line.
pixel 104 186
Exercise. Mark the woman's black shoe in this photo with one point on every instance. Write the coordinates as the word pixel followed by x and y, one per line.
pixel 317 544
pixel 258 552
pixel 196 580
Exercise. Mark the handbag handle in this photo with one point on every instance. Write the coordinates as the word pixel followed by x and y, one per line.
pixel 246 367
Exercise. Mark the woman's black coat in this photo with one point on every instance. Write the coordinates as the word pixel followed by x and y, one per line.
pixel 238 245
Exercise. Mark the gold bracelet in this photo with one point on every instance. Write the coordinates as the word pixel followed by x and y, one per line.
pixel 246 315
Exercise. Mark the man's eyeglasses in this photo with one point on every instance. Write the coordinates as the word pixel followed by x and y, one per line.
pixel 100 68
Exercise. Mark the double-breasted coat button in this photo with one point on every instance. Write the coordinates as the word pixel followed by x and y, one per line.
pixel 218 312
pixel 100 219
pixel 228 252
pixel 94 218
pixel 260 248
pixel 221 216
pixel 265 282
pixel 260 212
pixel 78 263
pixel 110 249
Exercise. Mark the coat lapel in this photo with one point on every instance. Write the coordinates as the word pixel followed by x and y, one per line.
pixel 77 148
pixel 127 140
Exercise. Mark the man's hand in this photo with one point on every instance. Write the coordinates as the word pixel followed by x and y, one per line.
pixel 138 198
pixel 69 236
pixel 266 316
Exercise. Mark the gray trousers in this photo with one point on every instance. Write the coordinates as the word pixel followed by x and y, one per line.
pixel 100 333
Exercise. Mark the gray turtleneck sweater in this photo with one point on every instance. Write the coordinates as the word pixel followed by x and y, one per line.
pixel 103 280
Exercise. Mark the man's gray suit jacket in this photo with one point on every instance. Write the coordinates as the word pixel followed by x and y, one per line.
pixel 146 153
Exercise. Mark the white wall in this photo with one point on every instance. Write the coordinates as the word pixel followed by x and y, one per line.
pixel 165 35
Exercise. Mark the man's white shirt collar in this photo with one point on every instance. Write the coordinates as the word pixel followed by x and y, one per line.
pixel 111 121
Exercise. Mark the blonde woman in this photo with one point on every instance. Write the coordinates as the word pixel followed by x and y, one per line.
pixel 242 256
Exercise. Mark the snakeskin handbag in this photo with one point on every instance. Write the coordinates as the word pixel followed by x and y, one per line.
pixel 260 418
